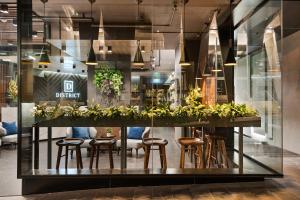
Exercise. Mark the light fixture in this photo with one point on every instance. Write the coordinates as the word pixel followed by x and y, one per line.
pixel 91 56
pixel 184 59
pixel 91 60
pixel 44 58
pixel 4 8
pixel 40 66
pixel 109 49
pixel 14 22
pixel 83 71
pixel 45 66
pixel 230 60
pixel 138 58
pixel 34 34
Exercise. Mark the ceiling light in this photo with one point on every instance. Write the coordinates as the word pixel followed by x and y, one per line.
pixel 34 34
pixel 14 22
pixel 4 8
pixel 44 58
pixel 230 61
pixel 138 58
pixel 91 56
pixel 109 49
pixel 184 59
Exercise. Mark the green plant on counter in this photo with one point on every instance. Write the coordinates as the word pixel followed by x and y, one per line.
pixel 109 81
pixel 163 111
pixel 194 97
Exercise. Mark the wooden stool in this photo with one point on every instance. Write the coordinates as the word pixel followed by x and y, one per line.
pixel 216 151
pixel 67 143
pixel 96 144
pixel 196 143
pixel 161 144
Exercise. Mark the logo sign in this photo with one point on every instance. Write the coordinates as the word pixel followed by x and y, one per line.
pixel 68 86
pixel 68 91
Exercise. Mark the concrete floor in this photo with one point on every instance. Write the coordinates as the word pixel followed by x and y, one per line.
pixel 285 188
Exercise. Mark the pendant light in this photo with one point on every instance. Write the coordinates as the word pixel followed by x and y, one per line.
pixel 4 8
pixel 44 58
pixel 230 60
pixel 138 58
pixel 92 60
pixel 184 59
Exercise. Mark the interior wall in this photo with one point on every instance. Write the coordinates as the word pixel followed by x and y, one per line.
pixel 291 92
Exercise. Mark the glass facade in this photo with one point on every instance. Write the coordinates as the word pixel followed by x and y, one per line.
pixel 124 76
pixel 258 81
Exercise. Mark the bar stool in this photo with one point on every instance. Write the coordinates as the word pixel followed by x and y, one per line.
pixel 148 143
pixel 215 151
pixel 95 148
pixel 68 143
pixel 195 143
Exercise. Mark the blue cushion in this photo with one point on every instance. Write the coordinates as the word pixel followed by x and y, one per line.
pixel 80 132
pixel 135 133
pixel 10 127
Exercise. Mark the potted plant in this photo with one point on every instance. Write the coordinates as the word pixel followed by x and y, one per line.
pixel 109 132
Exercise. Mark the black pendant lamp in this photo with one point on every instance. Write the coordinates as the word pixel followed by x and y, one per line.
pixel 44 57
pixel 230 60
pixel 91 60
pixel 184 59
pixel 138 58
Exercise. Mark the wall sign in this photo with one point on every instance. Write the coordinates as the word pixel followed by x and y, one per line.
pixel 68 88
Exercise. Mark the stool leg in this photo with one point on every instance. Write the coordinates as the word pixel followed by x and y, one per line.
pixel 111 161
pixel 196 156
pixel 80 158
pixel 92 157
pixel 58 156
pixel 67 155
pixel 97 159
pixel 209 151
pixel 71 154
pixel 200 156
pixel 224 154
pixel 182 157
pixel 161 156
pixel 77 158
pixel 146 158
pixel 164 156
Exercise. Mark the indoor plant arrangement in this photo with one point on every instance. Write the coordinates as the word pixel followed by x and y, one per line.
pixel 13 90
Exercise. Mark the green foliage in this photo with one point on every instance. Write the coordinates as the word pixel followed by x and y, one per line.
pixel 194 97
pixel 109 81
pixel 185 113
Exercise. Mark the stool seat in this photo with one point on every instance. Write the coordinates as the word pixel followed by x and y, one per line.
pixel 190 141
pixel 154 141
pixel 67 143
pixel 70 142
pixel 161 144
pixel 96 144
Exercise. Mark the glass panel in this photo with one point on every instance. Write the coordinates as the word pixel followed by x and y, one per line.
pixel 258 82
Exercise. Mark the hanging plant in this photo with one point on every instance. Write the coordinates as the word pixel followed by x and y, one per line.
pixel 109 81
pixel 13 90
